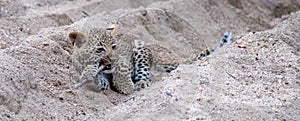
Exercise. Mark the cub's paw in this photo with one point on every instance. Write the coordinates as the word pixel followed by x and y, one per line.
pixel 141 84
pixel 102 82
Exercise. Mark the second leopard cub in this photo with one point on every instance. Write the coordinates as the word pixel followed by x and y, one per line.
pixel 134 74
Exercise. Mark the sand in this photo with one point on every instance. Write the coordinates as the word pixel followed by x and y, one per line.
pixel 257 77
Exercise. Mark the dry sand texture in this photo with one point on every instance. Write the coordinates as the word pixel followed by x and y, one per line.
pixel 255 78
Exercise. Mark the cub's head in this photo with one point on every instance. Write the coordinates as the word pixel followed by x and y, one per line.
pixel 91 47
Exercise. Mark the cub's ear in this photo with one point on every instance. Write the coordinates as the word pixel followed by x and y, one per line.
pixel 77 38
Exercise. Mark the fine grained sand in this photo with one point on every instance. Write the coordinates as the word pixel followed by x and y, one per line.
pixel 255 78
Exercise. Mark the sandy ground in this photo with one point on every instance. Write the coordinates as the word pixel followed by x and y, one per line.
pixel 257 77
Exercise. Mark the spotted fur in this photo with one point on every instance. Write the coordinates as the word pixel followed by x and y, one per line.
pixel 142 61
pixel 226 40
pixel 122 81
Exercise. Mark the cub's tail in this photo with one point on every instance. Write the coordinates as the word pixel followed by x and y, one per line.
pixel 225 40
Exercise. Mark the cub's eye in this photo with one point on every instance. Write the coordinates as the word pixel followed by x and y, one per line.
pixel 99 50
pixel 114 46
pixel 108 67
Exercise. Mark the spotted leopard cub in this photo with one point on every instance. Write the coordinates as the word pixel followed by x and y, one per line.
pixel 90 56
pixel 141 61
pixel 121 81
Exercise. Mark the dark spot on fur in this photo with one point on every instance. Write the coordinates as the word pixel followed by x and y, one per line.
pixel 226 36
pixel 207 52
pixel 139 65
pixel 139 77
pixel 143 61
pixel 224 40
pixel 139 56
pixel 142 66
